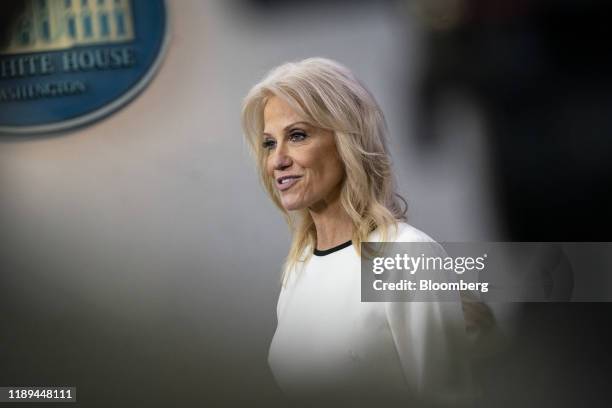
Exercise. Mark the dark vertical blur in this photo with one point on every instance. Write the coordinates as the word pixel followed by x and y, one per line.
pixel 9 11
pixel 540 71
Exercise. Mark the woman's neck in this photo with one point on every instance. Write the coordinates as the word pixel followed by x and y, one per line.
pixel 332 223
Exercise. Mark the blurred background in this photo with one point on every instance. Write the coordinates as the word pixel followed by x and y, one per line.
pixel 140 258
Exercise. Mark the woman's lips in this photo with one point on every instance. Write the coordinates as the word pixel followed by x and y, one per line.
pixel 286 183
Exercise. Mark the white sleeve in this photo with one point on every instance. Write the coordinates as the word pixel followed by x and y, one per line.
pixel 430 340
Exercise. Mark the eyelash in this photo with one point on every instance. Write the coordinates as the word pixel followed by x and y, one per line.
pixel 268 144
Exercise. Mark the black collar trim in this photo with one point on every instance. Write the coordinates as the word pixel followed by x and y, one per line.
pixel 324 252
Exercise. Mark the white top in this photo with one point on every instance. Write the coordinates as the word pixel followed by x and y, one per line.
pixel 328 341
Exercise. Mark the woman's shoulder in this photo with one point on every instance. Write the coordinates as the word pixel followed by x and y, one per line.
pixel 401 232
pixel 408 233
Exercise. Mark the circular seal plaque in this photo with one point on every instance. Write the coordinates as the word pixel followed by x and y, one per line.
pixel 67 63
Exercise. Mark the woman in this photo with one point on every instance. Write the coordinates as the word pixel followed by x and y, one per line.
pixel 320 142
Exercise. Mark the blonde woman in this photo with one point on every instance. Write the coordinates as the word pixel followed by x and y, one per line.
pixel 319 138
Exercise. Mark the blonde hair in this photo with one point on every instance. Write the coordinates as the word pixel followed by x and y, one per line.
pixel 328 95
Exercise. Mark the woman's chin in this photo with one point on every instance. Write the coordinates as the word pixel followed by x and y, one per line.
pixel 291 205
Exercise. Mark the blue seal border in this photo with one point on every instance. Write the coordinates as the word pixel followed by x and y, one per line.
pixel 111 107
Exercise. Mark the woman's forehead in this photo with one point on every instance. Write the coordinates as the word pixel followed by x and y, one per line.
pixel 278 114
pixel 276 107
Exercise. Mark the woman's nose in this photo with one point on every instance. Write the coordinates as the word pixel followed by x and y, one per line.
pixel 281 160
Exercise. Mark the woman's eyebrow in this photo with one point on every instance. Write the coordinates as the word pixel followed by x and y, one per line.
pixel 289 126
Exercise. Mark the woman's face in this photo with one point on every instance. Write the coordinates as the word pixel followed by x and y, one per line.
pixel 301 159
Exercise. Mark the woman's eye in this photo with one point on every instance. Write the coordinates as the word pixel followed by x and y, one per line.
pixel 268 144
pixel 297 136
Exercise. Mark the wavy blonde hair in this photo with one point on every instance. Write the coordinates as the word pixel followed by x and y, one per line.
pixel 327 94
